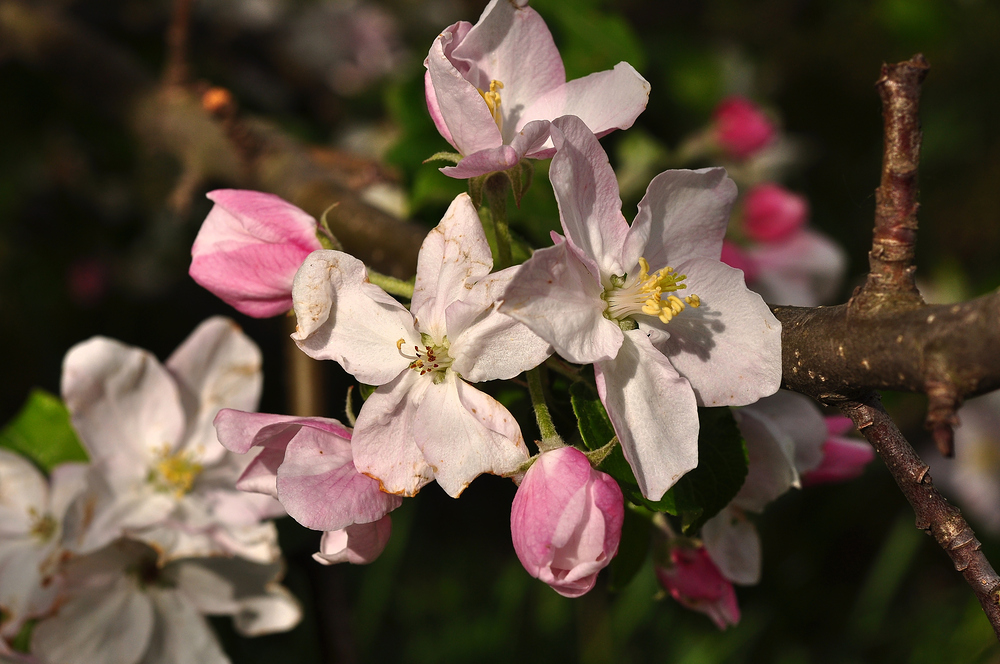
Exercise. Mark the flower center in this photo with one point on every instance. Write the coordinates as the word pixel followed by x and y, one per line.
pixel 175 473
pixel 492 99
pixel 430 359
pixel 645 293
pixel 43 526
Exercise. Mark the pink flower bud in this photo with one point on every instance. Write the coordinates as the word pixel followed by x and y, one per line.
pixel 771 213
pixel 693 580
pixel 741 128
pixel 843 458
pixel 359 544
pixel 734 256
pixel 249 248
pixel 566 521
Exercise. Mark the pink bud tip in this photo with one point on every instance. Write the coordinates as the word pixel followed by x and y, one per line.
pixel 693 580
pixel 771 213
pixel 741 128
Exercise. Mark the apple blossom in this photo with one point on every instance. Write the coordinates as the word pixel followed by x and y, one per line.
pixel 772 213
pixel 609 294
pixel 802 270
pixel 691 578
pixel 843 458
pixel 425 421
pixel 249 248
pixel 358 544
pixel 120 607
pixel 566 521
pixel 492 87
pixel 31 522
pixel 158 472
pixel 741 127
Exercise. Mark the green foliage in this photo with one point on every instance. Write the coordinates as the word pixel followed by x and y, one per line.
pixel 43 433
pixel 589 39
pixel 700 494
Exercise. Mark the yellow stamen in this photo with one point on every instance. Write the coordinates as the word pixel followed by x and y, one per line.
pixel 650 294
pixel 492 99
pixel 175 473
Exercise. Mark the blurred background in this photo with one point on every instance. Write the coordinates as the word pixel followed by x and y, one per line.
pixel 106 152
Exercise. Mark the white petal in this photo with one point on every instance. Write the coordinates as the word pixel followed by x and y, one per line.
pixel 683 215
pixel 803 271
pixel 180 634
pixel 798 416
pixel 23 491
pixel 730 346
pixel 653 411
pixel 453 256
pixel 464 433
pixel 216 367
pixel 586 189
pixel 383 443
pixel 341 316
pixel 558 298
pixel 771 453
pixel 488 345
pixel 733 545
pixel 124 404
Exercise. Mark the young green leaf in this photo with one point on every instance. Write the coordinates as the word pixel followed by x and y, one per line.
pixel 43 433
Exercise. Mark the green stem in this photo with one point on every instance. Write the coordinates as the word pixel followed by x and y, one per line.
pixel 391 285
pixel 550 438
pixel 495 193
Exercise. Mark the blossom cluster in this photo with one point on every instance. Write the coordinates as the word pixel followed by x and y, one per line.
pixel 648 313
pixel 121 559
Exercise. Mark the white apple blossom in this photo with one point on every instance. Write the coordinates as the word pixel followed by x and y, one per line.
pixel 610 294
pixel 424 421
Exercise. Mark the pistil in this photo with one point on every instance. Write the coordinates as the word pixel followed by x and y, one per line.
pixel 430 359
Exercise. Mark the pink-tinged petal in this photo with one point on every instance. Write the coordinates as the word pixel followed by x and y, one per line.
pixel 358 544
pixel 771 454
pixel 384 445
pixel 180 632
pixel 653 411
pixel 741 128
pixel 124 405
pixel 566 521
pixel 733 544
pixel 320 487
pixel 261 474
pixel 838 425
pixel 23 492
pixel 459 107
pixel 342 317
pixel 557 297
pixel 730 346
pixel 510 43
pixel 843 459
pixel 683 215
pixel 587 192
pixel 216 367
pixel 772 213
pixel 803 270
pixel 249 248
pixel 435 110
pixel 453 257
pixel 239 431
pixel 488 345
pixel 605 100
pixel 734 255
pixel 528 141
pixel 693 580
pixel 464 433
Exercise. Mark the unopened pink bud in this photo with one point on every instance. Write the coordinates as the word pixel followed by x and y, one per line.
pixel 734 256
pixel 843 458
pixel 693 580
pixel 771 213
pixel 249 248
pixel 741 128
pixel 566 521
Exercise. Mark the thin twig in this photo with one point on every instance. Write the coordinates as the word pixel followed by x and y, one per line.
pixel 934 514
pixel 177 70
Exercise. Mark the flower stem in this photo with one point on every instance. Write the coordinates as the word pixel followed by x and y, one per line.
pixel 391 285
pixel 550 438
pixel 495 193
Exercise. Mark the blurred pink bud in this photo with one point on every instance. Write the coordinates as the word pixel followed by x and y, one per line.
pixel 693 580
pixel 741 128
pixel 734 256
pixel 566 521
pixel 359 544
pixel 87 280
pixel 249 248
pixel 772 213
pixel 843 458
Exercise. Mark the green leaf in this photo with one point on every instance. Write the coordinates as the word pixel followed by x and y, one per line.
pixel 43 433
pixel 366 390
pixel 700 494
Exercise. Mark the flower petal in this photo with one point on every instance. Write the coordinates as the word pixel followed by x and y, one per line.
pixel 804 270
pixel 733 545
pixel 771 465
pixel 730 346
pixel 23 493
pixel 683 215
pixel 359 544
pixel 653 411
pixel 341 316
pixel 528 141
pixel 464 432
pixel 558 298
pixel 383 444
pixel 590 208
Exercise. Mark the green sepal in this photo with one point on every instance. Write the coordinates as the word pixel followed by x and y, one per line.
pixel 701 493
pixel 452 157
pixel 324 234
pixel 366 390
pixel 520 177
pixel 476 186
pixel 42 432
